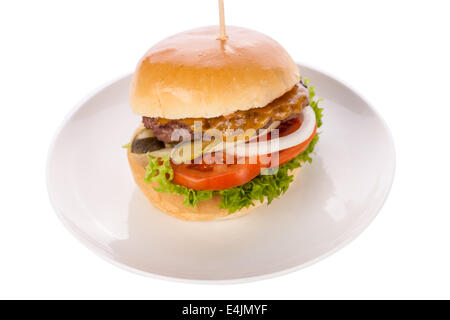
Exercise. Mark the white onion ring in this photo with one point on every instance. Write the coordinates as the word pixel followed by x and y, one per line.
pixel 254 147
pixel 266 147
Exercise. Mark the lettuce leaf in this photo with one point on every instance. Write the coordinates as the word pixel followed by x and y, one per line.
pixel 261 188
pixel 314 102
pixel 160 171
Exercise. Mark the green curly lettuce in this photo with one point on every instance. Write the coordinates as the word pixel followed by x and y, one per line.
pixel 264 187
pixel 160 171
pixel 314 102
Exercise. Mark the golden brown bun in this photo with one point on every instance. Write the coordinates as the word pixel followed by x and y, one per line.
pixel 194 75
pixel 173 204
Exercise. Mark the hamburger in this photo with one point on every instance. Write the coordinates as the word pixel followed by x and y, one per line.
pixel 225 123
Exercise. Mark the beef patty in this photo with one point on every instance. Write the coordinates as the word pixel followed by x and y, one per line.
pixel 283 108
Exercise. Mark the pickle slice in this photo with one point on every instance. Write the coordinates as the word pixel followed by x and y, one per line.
pixel 145 142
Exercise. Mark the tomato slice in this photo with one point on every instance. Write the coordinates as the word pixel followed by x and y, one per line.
pixel 218 176
pixel 290 126
pixel 215 176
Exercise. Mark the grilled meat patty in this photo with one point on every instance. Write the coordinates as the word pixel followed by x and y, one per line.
pixel 283 108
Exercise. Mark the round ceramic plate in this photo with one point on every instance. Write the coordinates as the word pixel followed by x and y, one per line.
pixel 333 199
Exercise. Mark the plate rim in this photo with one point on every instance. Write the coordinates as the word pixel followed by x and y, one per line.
pixel 98 252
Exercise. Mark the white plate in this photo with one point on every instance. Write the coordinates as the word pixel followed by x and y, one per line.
pixel 331 202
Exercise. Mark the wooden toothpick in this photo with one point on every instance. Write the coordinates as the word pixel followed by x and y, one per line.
pixel 223 34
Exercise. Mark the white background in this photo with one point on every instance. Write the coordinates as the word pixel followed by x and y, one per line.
pixel 396 53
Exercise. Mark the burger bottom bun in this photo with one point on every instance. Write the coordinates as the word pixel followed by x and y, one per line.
pixel 172 204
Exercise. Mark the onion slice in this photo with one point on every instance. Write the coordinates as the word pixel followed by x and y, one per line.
pixel 254 147
pixel 266 147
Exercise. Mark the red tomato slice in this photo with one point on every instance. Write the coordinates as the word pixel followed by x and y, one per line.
pixel 290 126
pixel 215 176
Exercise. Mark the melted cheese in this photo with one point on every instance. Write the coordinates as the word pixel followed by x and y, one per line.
pixel 291 102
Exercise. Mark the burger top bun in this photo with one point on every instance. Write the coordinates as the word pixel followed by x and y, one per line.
pixel 194 75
